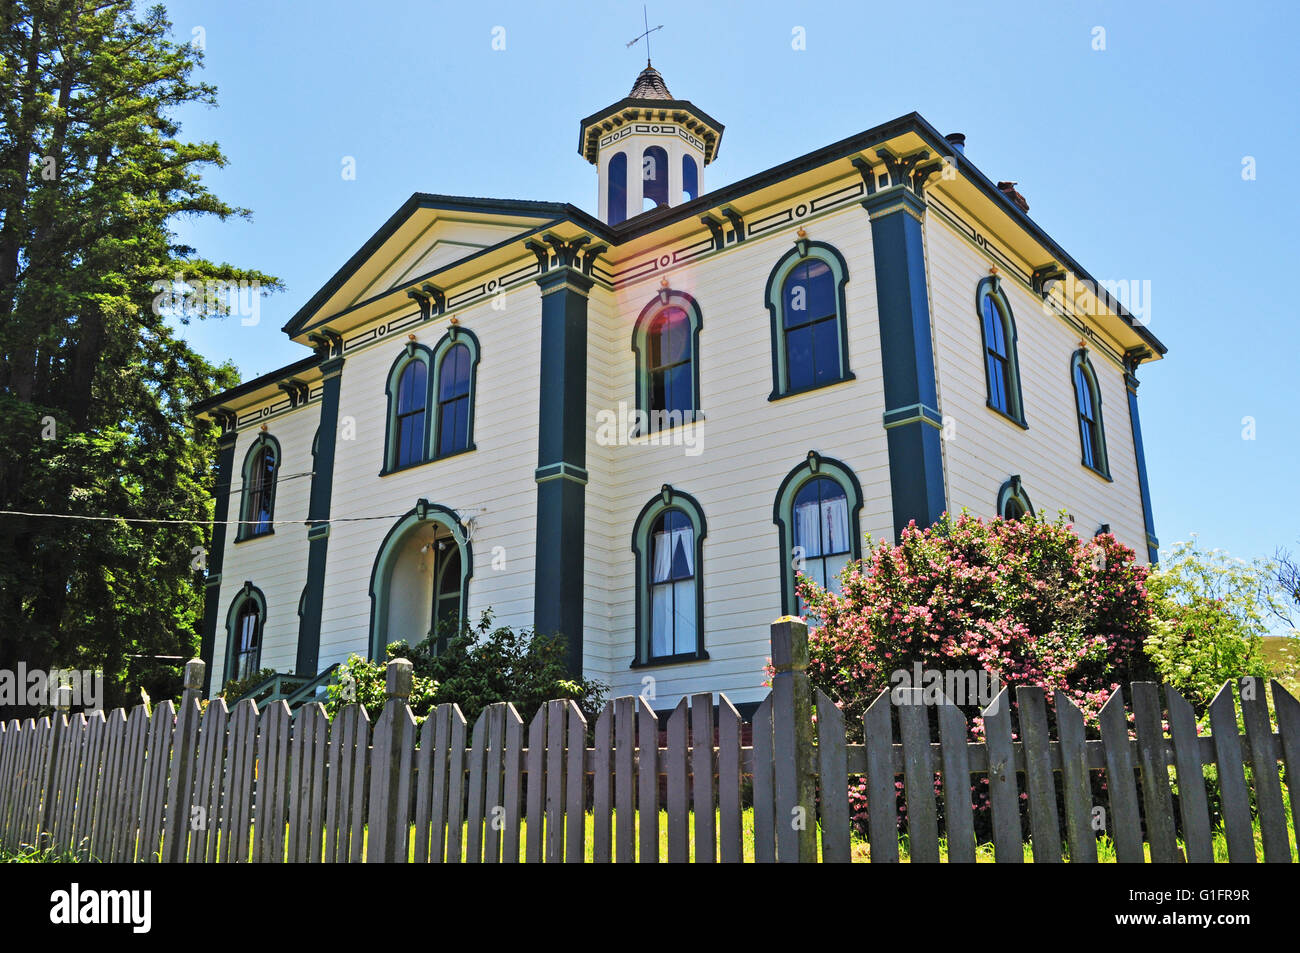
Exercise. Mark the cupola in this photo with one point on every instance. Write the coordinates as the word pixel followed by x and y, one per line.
pixel 649 149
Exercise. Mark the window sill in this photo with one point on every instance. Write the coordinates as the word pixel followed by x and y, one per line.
pixel 685 657
pixel 781 395
pixel 252 536
pixel 1101 474
pixel 424 463
pixel 1018 421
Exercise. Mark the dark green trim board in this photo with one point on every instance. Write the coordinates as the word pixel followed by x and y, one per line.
pixel 1131 361
pixel 913 424
pixel 561 457
pixel 381 572
pixel 668 498
pixel 991 287
pixel 666 298
pixel 216 554
pixel 814 466
pixel 263 439
pixel 246 592
pixel 1079 362
pixel 1013 489
pixel 804 250
pixel 318 514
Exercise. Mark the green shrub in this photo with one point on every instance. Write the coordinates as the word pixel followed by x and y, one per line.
pixel 478 666
pixel 238 686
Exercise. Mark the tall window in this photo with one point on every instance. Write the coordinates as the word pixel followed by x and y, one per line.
pixel 261 467
pixel 654 177
pixel 665 340
pixel 821 532
pixel 453 400
pixel 672 586
pixel 805 295
pixel 245 626
pixel 668 542
pixel 816 513
pixel 248 640
pixel 1087 398
pixel 412 392
pixel 1001 364
pixel 446 589
pixel 690 179
pixel 617 188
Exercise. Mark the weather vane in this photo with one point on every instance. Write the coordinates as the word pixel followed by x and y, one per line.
pixel 646 35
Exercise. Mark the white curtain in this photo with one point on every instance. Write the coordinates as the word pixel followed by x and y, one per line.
pixel 827 521
pixel 835 524
pixel 807 528
pixel 672 604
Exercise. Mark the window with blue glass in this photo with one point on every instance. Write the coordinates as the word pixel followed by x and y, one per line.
pixel 1001 362
pixel 666 340
pixel 412 393
pixel 1087 400
pixel 690 179
pixel 261 469
pixel 654 177
pixel 454 400
pixel 805 295
pixel 617 188
pixel 668 540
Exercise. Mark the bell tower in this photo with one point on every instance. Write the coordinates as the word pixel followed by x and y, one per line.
pixel 649 149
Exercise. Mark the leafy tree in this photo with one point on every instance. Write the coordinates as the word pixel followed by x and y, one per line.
pixel 1213 612
pixel 94 384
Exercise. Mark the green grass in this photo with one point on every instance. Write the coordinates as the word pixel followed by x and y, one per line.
pixel 1280 652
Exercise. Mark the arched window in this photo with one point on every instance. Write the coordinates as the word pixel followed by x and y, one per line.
pixel 816 513
pixel 420 578
pixel 408 390
pixel 456 359
pixel 1001 363
pixel 453 400
pixel 1087 400
pixel 654 177
pixel 690 179
pixel 408 436
pixel 668 540
pixel 245 625
pixel 665 340
pixel 617 188
pixel 1013 501
pixel 261 468
pixel 805 295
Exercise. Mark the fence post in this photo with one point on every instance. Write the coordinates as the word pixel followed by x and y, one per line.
pixel 180 800
pixel 389 769
pixel 792 747
pixel 58 725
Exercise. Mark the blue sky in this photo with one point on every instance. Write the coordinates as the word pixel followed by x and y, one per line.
pixel 1131 157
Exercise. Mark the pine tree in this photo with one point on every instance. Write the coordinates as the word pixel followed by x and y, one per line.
pixel 95 385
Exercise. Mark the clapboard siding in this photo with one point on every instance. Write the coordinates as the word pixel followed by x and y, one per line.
pixel 493 484
pixel 986 448
pixel 275 564
pixel 749 444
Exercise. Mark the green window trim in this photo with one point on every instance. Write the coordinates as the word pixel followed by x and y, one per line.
pixel 667 298
pixel 991 287
pixel 244 531
pixel 667 499
pixel 1081 364
pixel 422 514
pixel 247 592
pixel 432 359
pixel 1013 489
pixel 813 467
pixel 805 250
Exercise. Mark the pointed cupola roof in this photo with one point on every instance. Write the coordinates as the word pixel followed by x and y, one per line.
pixel 650 102
pixel 649 85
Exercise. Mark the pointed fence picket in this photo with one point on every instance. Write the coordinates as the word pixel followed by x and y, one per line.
pixel 182 784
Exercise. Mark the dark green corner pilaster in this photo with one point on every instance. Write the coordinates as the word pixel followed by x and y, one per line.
pixel 1131 361
pixel 216 555
pixel 562 459
pixel 318 516
pixel 912 419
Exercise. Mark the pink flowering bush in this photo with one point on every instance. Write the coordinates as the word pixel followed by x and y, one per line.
pixel 1027 601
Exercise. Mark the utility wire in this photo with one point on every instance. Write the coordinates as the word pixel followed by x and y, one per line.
pixel 148 520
